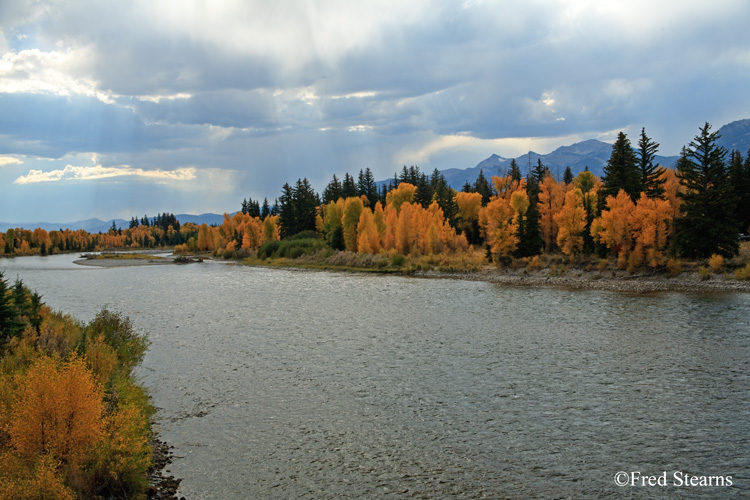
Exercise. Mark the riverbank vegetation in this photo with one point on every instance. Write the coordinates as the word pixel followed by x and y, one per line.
pixel 74 423
pixel 638 217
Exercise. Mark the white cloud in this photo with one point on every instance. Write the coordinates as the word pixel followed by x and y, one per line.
pixel 53 72
pixel 9 160
pixel 97 172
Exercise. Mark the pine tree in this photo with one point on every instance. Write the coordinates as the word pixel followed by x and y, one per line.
pixel 707 223
pixel 540 171
pixel 482 186
pixel 652 182
pixel 515 172
pixel 366 186
pixel 348 187
pixel 568 175
pixel 265 211
pixel 621 171
pixel 739 176
pixel 332 191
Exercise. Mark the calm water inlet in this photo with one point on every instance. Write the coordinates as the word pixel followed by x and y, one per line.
pixel 293 384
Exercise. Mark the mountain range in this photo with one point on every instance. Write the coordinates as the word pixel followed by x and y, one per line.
pixel 102 226
pixel 592 153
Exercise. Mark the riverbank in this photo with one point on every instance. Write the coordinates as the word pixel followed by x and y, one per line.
pixel 582 277
pixel 591 280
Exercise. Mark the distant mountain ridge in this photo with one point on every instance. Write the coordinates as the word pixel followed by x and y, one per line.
pixel 102 226
pixel 591 153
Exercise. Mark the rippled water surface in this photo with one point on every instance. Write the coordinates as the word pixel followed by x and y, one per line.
pixel 295 384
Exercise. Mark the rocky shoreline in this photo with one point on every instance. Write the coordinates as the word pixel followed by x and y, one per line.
pixel 162 487
pixel 589 280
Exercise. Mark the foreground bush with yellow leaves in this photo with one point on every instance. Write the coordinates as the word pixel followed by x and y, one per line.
pixel 73 422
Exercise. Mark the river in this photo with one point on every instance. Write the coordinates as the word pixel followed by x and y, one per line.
pixel 296 384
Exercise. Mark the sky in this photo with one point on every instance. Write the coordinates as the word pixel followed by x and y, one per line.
pixel 121 108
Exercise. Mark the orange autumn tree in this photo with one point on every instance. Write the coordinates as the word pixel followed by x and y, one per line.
pixel 652 222
pixel 58 412
pixel 469 205
pixel 551 199
pixel 404 193
pixel 353 208
pixel 498 224
pixel 571 221
pixel 368 239
pixel 613 228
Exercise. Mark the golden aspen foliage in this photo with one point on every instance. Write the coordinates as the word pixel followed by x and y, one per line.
pixel 124 453
pixel 378 216
pixel 716 262
pixel 405 231
pixel 391 222
pixel 40 481
pixel 58 411
pixel 469 205
pixel 551 199
pixel 585 181
pixel 571 221
pixel 499 226
pixel 101 359
pixel 404 193
pixel 672 187
pixel 353 208
pixel 271 228
pixel 613 228
pixel 519 202
pixel 652 223
pixel 506 186
pixel 368 239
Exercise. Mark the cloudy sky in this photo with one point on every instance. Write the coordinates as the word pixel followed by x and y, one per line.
pixel 118 108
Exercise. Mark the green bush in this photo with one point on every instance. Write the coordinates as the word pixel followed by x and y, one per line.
pixel 291 248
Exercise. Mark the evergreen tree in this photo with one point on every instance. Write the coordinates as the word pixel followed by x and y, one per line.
pixel 444 196
pixel 133 223
pixel 467 188
pixel 332 191
pixel 348 187
pixel 568 176
pixel 265 210
pixel 706 225
pixel 9 324
pixel 621 171
pixel 739 177
pixel 424 193
pixel 366 186
pixel 540 171
pixel 482 186
pixel 287 212
pixel 651 182
pixel 530 241
pixel 515 172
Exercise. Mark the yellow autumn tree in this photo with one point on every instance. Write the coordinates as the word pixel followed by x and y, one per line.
pixel 551 199
pixel 652 223
pixel 404 193
pixel 571 221
pixel 613 228
pixel 353 208
pixel 58 412
pixel 469 205
pixel 499 227
pixel 368 239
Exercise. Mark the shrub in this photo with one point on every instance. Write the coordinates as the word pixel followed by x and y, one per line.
pixel 704 272
pixel 398 260
pixel 674 266
pixel 716 262
pixel 743 273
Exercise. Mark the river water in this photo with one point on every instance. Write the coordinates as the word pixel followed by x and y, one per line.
pixel 295 384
